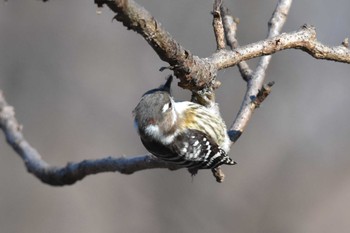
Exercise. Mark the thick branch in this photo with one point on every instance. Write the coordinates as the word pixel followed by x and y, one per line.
pixel 138 19
pixel 194 73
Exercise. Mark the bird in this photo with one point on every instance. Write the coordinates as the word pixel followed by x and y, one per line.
pixel 185 134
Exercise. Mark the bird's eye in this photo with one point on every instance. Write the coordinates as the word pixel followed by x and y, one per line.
pixel 166 107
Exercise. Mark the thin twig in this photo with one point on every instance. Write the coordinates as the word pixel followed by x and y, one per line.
pixel 219 33
pixel 230 26
pixel 218 25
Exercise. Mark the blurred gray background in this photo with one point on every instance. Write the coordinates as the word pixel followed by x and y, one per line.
pixel 74 77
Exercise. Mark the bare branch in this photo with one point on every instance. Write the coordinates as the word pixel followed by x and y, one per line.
pixel 275 25
pixel 230 26
pixel 138 19
pixel 304 39
pixel 206 96
pixel 256 81
pixel 194 73
pixel 72 172
pixel 218 25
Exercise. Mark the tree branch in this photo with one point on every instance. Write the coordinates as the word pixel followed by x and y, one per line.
pixel 218 25
pixel 72 172
pixel 254 86
pixel 194 73
pixel 230 26
pixel 304 39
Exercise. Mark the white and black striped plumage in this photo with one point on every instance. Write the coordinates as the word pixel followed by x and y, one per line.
pixel 183 133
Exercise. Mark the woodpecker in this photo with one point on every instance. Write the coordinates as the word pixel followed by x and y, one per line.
pixel 185 134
